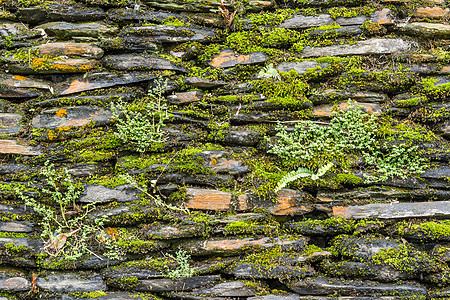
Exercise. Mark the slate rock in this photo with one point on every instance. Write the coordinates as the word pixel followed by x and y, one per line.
pixel 18 83
pixel 94 81
pixel 61 66
pixel 179 284
pixel 303 22
pixel 242 138
pixel 74 116
pixel 12 147
pixel 206 199
pixel 274 271
pixel 319 227
pixel 227 289
pixel 301 67
pixel 445 130
pixel 359 20
pixel 70 49
pixel 10 123
pixel 185 97
pixel 15 226
pixel 123 296
pixel 431 30
pixel 89 262
pixel 130 43
pixel 169 34
pixel 325 286
pixel 337 32
pixel 394 210
pixel 65 30
pixel 276 297
pixel 228 58
pixel 18 31
pixel 102 194
pixel 176 231
pixel 129 15
pixel 384 16
pixel 139 62
pixel 199 6
pixel 371 46
pixel 12 280
pixel 230 247
pixel 289 203
pixel 204 83
pixel 327 109
pixel 60 12
pixel 435 12
pixel 71 282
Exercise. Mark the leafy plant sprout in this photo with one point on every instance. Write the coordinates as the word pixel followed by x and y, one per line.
pixel 140 124
pixel 184 269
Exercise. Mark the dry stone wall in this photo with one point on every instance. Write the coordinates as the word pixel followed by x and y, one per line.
pixel 260 150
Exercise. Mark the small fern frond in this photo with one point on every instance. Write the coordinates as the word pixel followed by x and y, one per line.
pixel 292 176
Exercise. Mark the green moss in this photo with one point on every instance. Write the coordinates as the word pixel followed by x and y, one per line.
pixel 271 18
pixel 269 227
pixel 431 88
pixel 425 231
pixel 415 101
pixel 94 294
pixel 349 12
pixel 310 249
pixel 372 28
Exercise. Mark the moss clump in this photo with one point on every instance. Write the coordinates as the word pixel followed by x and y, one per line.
pixel 434 89
pixel 271 18
pixel 329 226
pixel 248 227
pixel 425 231
pixel 349 12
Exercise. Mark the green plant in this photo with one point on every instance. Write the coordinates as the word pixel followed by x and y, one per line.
pixel 301 172
pixel 66 230
pixel 184 269
pixel 269 72
pixel 141 123
pixel 155 198
pixel 352 133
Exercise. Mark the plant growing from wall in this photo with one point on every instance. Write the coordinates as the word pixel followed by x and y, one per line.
pixel 184 269
pixel 66 229
pixel 139 125
pixel 351 134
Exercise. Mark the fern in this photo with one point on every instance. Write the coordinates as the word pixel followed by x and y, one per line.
pixel 269 72
pixel 300 173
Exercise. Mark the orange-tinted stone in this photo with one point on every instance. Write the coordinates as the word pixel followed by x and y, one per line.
pixel 432 12
pixel 228 58
pixel 341 211
pixel 12 147
pixel 290 202
pixel 41 65
pixel 208 199
pixel 75 49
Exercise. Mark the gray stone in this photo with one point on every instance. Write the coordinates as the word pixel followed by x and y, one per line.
pixel 445 130
pixel 18 31
pixel 179 284
pixel 71 282
pixel 394 210
pixel 359 20
pixel 301 67
pixel 10 123
pixel 102 194
pixel 12 147
pixel 64 30
pixel 276 297
pixel 70 49
pixel 129 15
pixel 169 34
pixel 372 46
pixel 15 226
pixel 185 98
pixel 94 81
pixel 169 232
pixel 139 62
pixel 337 32
pixel 430 30
pixel 274 271
pixel 325 286
pixel 15 284
pixel 227 289
pixel 204 83
pixel 60 12
pixel 303 22
pixel 74 116
pixel 242 138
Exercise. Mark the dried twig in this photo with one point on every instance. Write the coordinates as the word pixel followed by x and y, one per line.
pixel 225 13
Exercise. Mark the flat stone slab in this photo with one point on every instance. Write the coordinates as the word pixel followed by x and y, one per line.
pixel 185 97
pixel 15 226
pixel 167 232
pixel 169 34
pixel 175 285
pixel 394 210
pixel 129 15
pixel 435 12
pixel 327 109
pixel 95 81
pixel 227 289
pixel 71 282
pixel 62 66
pixel 205 199
pixel 15 284
pixel 301 67
pixel 70 49
pixel 10 123
pixel 139 62
pixel 325 286
pixel 228 58
pixel 65 30
pixel 18 81
pixel 74 116
pixel 12 147
pixel 291 203
pixel 102 194
pixel 431 30
pixel 59 12
pixel 227 247
pixel 303 22
pixel 372 46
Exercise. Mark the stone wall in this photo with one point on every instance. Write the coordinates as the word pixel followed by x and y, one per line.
pixel 147 149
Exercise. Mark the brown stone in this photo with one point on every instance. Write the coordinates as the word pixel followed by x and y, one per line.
pixel 208 199
pixel 291 202
pixel 18 81
pixel 432 12
pixel 327 110
pixel 70 49
pixel 228 58
pixel 63 66
pixel 10 123
pixel 383 17
pixel 12 147
pixel 185 98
